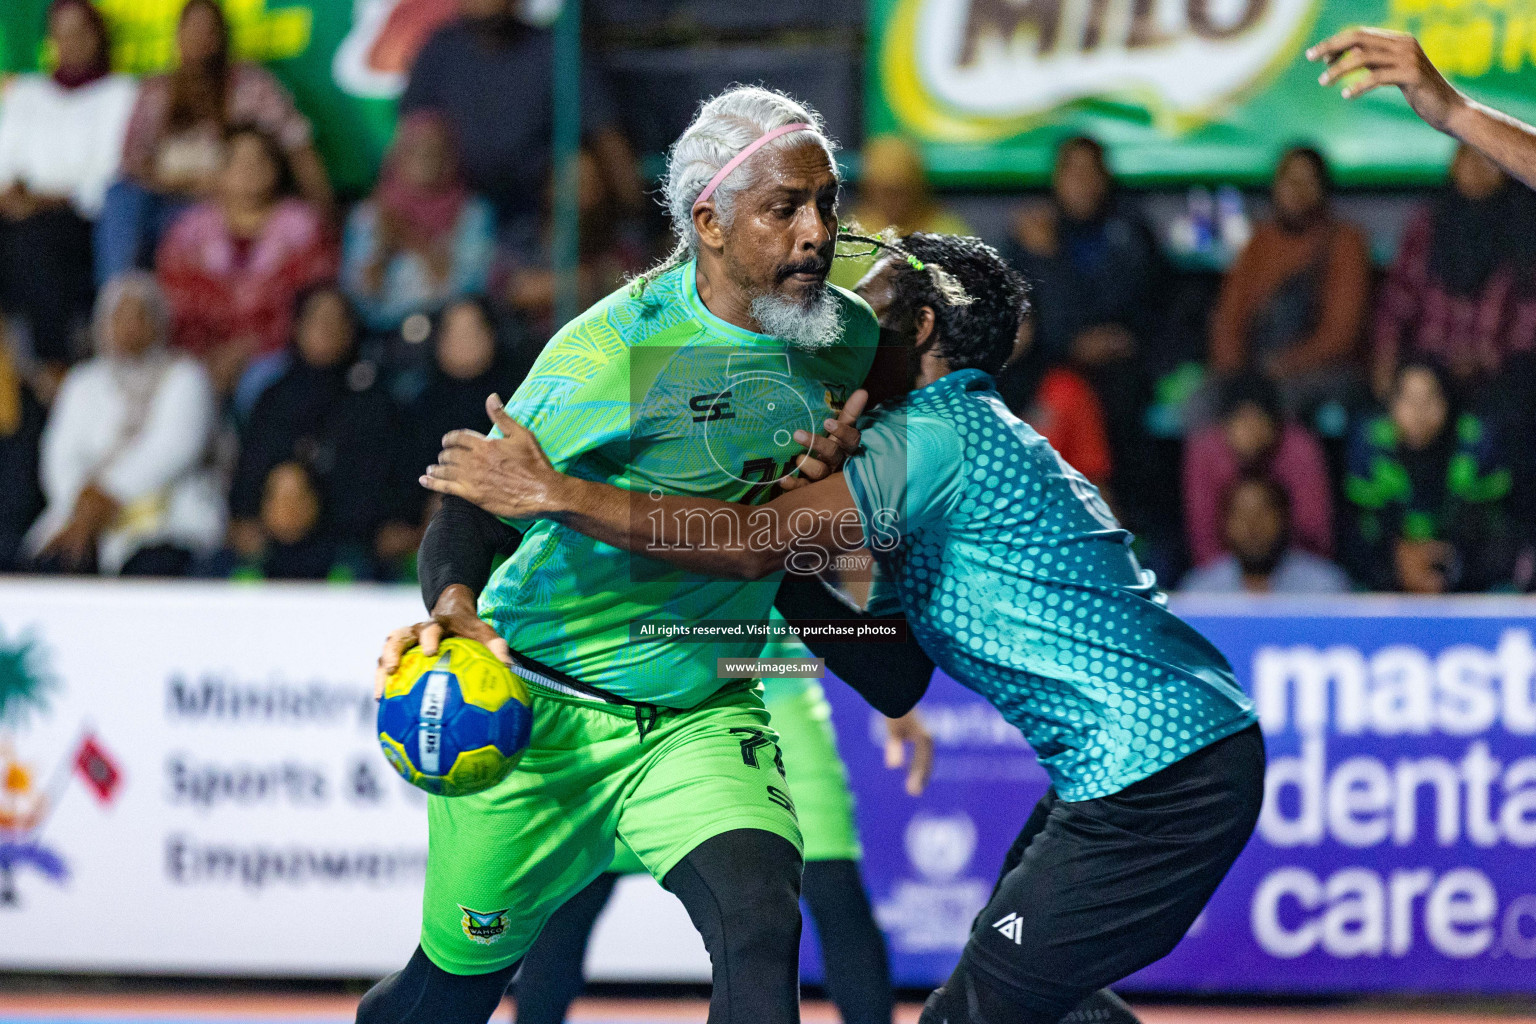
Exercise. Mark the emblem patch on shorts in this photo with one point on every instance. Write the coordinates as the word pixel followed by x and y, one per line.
pixel 484 928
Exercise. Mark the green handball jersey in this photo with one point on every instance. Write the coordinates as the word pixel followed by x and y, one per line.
pixel 1017 580
pixel 655 394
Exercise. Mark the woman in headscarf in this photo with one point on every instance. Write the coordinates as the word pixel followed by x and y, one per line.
pixel 174 148
pixel 1447 296
pixel 422 237
pixel 1428 491
pixel 125 449
pixel 1293 303
pixel 233 266
pixel 327 412
pixel 469 362
pixel 61 138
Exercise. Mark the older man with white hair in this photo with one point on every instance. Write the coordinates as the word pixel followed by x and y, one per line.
pixel 703 377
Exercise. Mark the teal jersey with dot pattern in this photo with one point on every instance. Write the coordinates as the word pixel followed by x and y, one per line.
pixel 1017 580
pixel 655 394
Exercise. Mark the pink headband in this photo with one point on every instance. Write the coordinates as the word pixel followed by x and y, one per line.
pixel 735 161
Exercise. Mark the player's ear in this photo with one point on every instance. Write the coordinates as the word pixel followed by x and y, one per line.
pixel 924 326
pixel 707 223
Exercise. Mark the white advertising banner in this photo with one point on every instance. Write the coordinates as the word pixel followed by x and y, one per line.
pixel 190 782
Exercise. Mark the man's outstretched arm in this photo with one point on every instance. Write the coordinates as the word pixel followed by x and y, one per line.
pixel 1389 58
pixel 511 477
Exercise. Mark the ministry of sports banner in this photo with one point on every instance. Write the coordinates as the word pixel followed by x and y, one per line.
pixel 1175 88
pixel 191 783
pixel 1395 847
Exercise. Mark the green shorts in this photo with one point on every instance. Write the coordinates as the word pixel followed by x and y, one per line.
pixel 500 862
pixel 818 781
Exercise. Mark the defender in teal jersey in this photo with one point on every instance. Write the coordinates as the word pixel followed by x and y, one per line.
pixel 1016 578
pixel 697 379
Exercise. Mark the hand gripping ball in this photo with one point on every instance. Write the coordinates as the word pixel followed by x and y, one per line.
pixel 454 723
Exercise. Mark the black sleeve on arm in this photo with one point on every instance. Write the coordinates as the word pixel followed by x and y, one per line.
pixel 892 676
pixel 460 546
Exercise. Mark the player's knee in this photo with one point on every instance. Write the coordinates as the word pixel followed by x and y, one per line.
pixel 752 880
pixel 423 993
pixel 761 909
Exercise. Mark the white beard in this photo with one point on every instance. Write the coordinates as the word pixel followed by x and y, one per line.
pixel 810 326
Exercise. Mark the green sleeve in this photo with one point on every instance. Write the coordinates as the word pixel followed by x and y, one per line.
pixel 576 399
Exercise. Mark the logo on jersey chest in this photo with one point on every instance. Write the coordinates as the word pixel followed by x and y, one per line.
pixel 712 406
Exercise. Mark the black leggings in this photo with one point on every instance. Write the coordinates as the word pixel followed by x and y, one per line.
pixel 740 888
pixel 852 948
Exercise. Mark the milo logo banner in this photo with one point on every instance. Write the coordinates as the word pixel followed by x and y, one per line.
pixel 1176 88
pixel 1395 848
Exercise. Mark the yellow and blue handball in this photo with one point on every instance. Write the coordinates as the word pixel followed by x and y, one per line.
pixel 456 722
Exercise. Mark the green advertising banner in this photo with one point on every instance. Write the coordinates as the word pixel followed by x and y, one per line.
pixel 1177 89
pixel 344 60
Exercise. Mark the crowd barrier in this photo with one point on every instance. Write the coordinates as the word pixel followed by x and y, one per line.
pixel 190 784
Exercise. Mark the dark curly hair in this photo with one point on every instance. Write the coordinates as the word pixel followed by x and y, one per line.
pixel 976 329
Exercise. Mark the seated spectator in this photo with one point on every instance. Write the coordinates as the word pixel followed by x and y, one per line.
pixel 328 412
pixel 61 136
pixel 1253 437
pixel 1447 295
pixel 292 543
pixel 1427 489
pixel 1095 271
pixel 21 428
pixel 174 150
pixel 468 365
pixel 232 267
pixel 1293 304
pixel 492 74
pixel 609 253
pixel 1093 264
pixel 1259 558
pixel 422 238
pixel 893 193
pixel 125 450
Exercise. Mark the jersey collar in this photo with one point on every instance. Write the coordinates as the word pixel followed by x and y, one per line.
pixel 716 326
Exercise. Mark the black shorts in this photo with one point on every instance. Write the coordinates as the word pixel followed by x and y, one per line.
pixel 1095 890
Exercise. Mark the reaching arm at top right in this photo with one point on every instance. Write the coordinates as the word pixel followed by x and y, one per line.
pixel 1395 58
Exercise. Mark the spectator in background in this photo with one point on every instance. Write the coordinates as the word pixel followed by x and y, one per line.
pixel 1447 296
pixel 61 136
pixel 328 413
pixel 894 193
pixel 21 428
pixel 1093 265
pixel 1427 488
pixel 125 450
pixel 1259 558
pixel 492 75
pixel 1095 273
pixel 233 266
pixel 1253 437
pixel 608 252
pixel 292 541
pixel 468 364
pixel 1293 304
pixel 174 152
pixel 423 237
